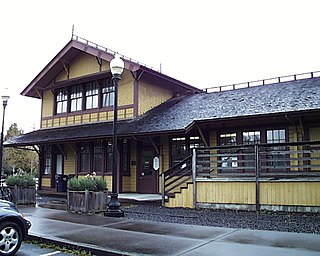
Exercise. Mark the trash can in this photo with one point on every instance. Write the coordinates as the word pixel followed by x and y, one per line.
pixel 62 181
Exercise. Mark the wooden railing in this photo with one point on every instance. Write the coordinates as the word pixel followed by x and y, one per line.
pixel 175 177
pixel 268 161
pixel 289 159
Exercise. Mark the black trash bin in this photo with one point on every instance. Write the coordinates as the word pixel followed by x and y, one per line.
pixel 62 181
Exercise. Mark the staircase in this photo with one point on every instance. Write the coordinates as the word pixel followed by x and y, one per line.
pixel 177 185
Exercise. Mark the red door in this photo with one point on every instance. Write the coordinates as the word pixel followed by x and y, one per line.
pixel 146 174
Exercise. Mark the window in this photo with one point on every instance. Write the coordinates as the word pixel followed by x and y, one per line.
pixel 195 142
pixel 47 161
pixel 85 158
pixel 109 156
pixel 251 137
pixel 76 98
pixel 107 93
pixel 178 150
pixel 61 101
pixel 228 139
pixel 125 157
pixel 276 136
pixel 275 155
pixel 97 157
pixel 92 95
pixel 228 161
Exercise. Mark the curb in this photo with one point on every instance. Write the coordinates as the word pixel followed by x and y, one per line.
pixel 74 245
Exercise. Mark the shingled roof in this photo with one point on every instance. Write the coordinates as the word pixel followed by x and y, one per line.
pixel 177 114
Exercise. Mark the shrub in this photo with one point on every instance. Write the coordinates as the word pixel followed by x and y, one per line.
pixel 90 183
pixel 21 180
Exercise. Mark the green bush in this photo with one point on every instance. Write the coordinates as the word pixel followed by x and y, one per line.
pixel 90 183
pixel 21 180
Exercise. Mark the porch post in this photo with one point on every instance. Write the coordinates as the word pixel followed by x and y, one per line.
pixel 257 167
pixel 194 176
pixel 163 194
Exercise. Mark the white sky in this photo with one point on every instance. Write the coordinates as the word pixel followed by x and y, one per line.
pixel 203 43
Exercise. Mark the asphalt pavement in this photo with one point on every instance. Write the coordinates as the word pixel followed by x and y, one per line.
pixel 116 236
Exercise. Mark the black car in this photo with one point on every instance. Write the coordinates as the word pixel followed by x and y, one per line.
pixel 13 228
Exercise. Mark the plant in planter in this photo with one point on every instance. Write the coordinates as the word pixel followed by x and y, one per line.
pixel 87 194
pixel 22 187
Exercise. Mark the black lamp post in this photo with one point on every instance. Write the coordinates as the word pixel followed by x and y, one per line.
pixel 116 66
pixel 4 103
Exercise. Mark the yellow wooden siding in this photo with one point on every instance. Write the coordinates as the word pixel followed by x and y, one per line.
pixel 295 135
pixel 108 179
pixel 47 103
pixel 151 96
pixel 126 184
pixel 133 168
pixel 70 162
pixel 290 193
pixel 83 64
pixel 185 199
pixel 226 192
pixel 46 182
pixel 125 89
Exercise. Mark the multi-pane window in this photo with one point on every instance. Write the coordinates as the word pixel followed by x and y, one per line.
pixel 126 158
pixel 228 139
pixel 251 137
pixel 195 142
pixel 178 150
pixel 276 154
pixel 228 159
pixel 92 95
pixel 61 101
pixel 107 93
pixel 47 161
pixel 85 158
pixel 76 98
pixel 97 157
pixel 109 156
pixel 276 136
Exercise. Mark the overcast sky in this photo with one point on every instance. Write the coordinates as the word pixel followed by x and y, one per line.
pixel 203 43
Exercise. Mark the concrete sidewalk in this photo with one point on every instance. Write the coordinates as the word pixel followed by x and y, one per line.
pixel 119 236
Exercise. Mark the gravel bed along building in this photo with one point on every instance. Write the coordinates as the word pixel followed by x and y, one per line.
pixel 276 221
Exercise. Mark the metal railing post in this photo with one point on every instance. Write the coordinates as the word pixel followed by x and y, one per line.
pixel 194 176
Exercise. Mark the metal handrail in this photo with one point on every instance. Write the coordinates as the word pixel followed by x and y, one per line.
pixel 254 83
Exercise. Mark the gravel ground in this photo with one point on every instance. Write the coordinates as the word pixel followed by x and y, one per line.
pixel 289 222
pixel 276 221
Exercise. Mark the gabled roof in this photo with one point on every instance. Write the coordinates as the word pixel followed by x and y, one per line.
pixel 79 45
pixel 178 114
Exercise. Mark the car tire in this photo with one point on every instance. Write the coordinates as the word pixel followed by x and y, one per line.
pixel 10 238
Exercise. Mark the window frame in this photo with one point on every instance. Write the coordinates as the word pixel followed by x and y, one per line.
pixel 63 101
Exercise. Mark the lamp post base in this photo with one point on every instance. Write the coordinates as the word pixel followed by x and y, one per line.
pixel 114 207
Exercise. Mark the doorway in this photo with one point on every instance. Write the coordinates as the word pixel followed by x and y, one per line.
pixel 147 176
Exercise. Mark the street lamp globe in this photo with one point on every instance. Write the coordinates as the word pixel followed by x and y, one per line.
pixel 116 65
pixel 5 100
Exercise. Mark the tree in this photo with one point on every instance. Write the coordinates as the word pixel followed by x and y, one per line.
pixel 18 159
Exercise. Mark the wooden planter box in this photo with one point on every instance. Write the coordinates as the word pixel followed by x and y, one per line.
pixel 23 195
pixel 87 201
